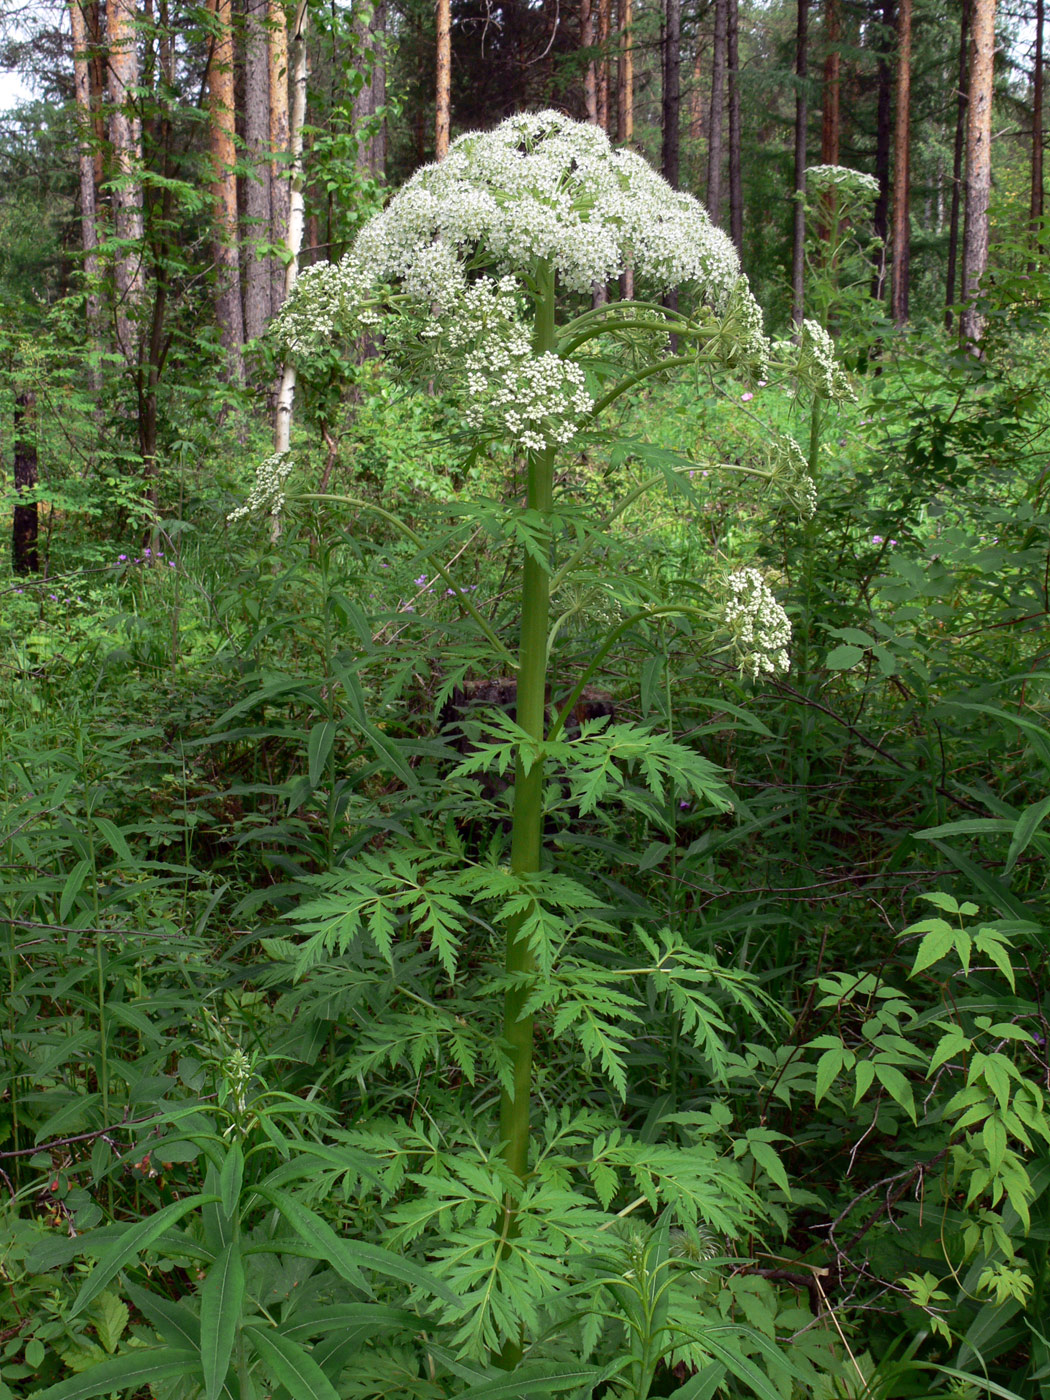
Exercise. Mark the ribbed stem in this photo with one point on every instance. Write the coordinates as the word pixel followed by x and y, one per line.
pixel 527 826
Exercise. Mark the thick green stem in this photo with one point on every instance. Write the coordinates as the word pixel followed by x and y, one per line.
pixel 527 828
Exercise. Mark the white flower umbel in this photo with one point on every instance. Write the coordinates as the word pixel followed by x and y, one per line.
pixel 758 625
pixel 847 184
pixel 445 272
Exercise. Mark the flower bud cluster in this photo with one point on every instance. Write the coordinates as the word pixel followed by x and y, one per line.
pixel 817 367
pixel 267 492
pixel 790 471
pixel 758 625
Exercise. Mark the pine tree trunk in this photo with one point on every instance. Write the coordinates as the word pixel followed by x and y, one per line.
pixel 902 168
pixel 736 188
pixel 1036 201
pixel 443 103
pixel 86 169
pixel 798 238
pixel 978 166
pixel 602 93
pixel 590 84
pixel 377 153
pixel 369 39
pixel 672 94
pixel 625 78
pixel 97 77
pixel 830 116
pixel 957 162
pixel 225 250
pixel 696 104
pixel 24 555
pixel 883 134
pixel 718 101
pixel 257 270
pixel 279 172
pixel 125 137
pixel 625 110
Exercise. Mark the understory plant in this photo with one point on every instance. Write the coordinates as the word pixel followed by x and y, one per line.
pixel 488 276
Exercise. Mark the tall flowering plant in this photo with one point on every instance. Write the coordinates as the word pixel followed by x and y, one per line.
pixel 479 276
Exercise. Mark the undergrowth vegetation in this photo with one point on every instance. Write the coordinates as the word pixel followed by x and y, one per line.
pixel 789 1132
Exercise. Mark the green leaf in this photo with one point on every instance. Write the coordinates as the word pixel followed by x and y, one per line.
pixel 527 1381
pixel 1027 824
pixel 71 888
pixel 131 1243
pixel 702 1386
pixel 349 1257
pixel 109 1316
pixel 766 1157
pixel 364 1318
pixel 319 748
pixel 828 1067
pixel 842 657
pixel 936 945
pixel 897 1086
pixel 231 1178
pixel 292 1366
pixel 743 1367
pixel 141 1367
pixel 173 1321
pixel 222 1297
pixel 113 834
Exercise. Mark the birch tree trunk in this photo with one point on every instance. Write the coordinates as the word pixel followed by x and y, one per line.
pixel 978 166
pixel 798 239
pixel 902 168
pixel 257 272
pixel 443 104
pixel 125 137
pixel 279 173
pixel 86 169
pixel 226 254
pixel 282 435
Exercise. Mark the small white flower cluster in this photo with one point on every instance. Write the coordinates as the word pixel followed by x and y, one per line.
pixel 329 299
pixel 849 185
pixel 267 493
pixel 759 626
pixel 817 366
pixel 538 400
pixel 790 471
